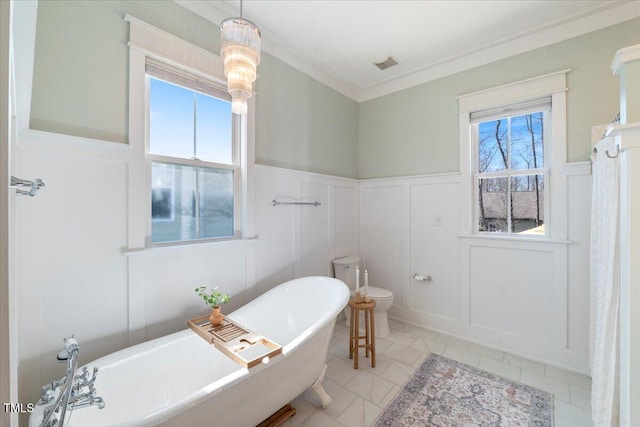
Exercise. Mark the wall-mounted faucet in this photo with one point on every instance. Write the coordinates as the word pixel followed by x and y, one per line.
pixel 25 187
pixel 71 391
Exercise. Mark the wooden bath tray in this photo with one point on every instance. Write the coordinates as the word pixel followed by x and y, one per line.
pixel 239 343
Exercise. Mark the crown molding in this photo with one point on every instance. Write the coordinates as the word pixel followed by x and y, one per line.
pixel 548 34
pixel 624 55
pixel 552 33
pixel 273 45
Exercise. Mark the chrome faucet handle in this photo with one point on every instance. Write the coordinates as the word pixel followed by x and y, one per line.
pixel 85 379
pixel 95 374
pixel 47 395
pixel 71 344
pixel 57 383
pixel 88 394
pixel 84 376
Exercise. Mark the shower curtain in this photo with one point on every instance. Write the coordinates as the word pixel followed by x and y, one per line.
pixel 603 343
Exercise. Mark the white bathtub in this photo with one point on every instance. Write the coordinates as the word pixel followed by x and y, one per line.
pixel 181 380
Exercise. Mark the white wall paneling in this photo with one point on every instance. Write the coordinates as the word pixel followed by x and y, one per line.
pixel 525 296
pixel 71 276
pixel 512 283
pixel 8 336
pixel 301 240
pixel 434 250
pixel 77 275
pixel 516 294
pixel 579 213
pixel 167 278
pixel 629 140
pixel 396 215
pixel 626 64
pixel 382 239
pixel 314 233
pixel 275 230
pixel 345 220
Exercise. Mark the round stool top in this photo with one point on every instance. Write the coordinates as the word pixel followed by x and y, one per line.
pixel 362 305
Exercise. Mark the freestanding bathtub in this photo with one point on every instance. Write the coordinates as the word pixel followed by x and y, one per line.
pixel 181 380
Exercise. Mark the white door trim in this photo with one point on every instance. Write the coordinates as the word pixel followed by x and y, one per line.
pixel 8 354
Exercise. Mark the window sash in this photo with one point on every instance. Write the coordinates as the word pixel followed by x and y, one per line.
pixel 158 158
pixel 511 172
pixel 514 110
pixel 531 172
pixel 188 80
pixel 197 232
pixel 235 119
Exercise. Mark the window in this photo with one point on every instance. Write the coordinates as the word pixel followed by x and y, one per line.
pixel 510 168
pixel 193 156
pixel 527 186
pixel 190 173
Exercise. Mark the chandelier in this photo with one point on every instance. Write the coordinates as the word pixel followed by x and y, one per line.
pixel 240 51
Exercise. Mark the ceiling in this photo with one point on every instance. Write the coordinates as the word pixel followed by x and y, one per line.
pixel 337 41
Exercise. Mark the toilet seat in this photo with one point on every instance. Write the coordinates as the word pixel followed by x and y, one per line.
pixel 378 294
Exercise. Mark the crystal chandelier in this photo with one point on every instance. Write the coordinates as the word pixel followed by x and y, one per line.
pixel 240 50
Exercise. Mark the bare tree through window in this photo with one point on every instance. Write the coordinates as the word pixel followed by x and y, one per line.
pixel 511 174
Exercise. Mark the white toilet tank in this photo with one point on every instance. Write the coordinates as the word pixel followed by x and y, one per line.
pixel 345 270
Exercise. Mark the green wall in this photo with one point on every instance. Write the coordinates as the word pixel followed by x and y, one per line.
pixel 80 85
pixel 415 131
pixel 301 124
pixel 81 62
pixel 80 88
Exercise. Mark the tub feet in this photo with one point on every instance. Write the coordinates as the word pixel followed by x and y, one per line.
pixel 316 387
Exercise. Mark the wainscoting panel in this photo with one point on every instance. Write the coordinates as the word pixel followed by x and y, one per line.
pixel 524 296
pixel 345 220
pixel 74 274
pixel 514 297
pixel 275 229
pixel 382 237
pixel 71 277
pixel 302 240
pixel 314 231
pixel 511 291
pixel 169 276
pixel 579 208
pixel 434 249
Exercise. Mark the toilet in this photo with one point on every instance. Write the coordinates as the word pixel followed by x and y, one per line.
pixel 345 270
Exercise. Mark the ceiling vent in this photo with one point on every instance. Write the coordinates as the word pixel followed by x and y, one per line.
pixel 389 62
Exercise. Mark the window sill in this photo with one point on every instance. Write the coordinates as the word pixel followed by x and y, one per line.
pixel 513 238
pixel 189 244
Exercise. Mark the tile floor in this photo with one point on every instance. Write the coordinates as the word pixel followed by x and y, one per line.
pixel 359 396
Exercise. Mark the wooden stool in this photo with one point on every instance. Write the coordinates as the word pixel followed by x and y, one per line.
pixel 369 331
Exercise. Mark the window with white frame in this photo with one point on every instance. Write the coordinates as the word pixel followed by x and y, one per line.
pixel 193 153
pixel 511 176
pixel 513 151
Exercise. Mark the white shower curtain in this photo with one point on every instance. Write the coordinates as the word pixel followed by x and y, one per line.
pixel 604 284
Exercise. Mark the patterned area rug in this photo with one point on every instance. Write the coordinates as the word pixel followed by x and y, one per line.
pixel 446 393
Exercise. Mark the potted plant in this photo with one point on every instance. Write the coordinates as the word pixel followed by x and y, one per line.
pixel 214 299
